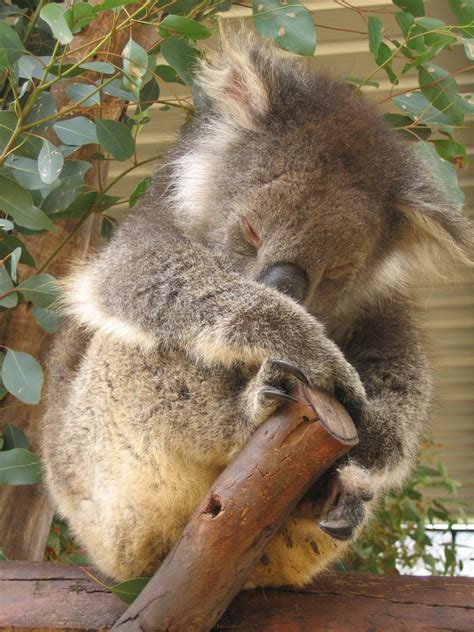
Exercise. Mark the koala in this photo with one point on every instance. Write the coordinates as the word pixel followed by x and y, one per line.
pixel 277 243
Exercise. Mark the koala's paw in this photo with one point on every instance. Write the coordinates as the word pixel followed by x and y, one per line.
pixel 340 502
pixel 270 388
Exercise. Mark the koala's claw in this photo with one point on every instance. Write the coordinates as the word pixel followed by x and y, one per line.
pixel 338 529
pixel 275 393
pixel 292 370
pixel 341 521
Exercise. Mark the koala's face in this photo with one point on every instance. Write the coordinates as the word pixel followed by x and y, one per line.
pixel 297 183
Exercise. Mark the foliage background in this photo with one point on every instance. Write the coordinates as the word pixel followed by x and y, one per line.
pixel 77 81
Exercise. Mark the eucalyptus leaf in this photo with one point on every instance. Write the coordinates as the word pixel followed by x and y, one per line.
pixel 129 590
pixel 25 171
pixel 50 162
pixel 76 131
pixel 11 47
pixel 103 67
pixel 14 437
pixel 469 48
pixel 116 138
pixel 375 35
pixel 415 7
pixel 167 73
pixel 22 376
pixel 17 202
pixel 464 11
pixel 443 171
pixel 181 25
pixel 181 57
pixel 442 91
pixel 79 91
pixel 114 90
pixel 141 188
pixel 6 224
pixel 112 4
pixel 54 16
pixel 47 319
pixel 417 106
pixel 42 290
pixel 135 64
pixel 14 260
pixel 79 15
pixel 19 467
pixel 289 26
pixel 8 243
pixel 6 285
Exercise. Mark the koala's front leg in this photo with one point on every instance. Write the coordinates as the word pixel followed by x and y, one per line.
pixel 386 350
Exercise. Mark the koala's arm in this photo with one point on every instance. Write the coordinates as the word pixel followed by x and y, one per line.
pixel 153 285
pixel 387 351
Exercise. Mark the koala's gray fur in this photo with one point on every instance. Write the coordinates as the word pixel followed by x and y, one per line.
pixel 175 327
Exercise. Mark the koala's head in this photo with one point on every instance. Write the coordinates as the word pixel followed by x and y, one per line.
pixel 299 184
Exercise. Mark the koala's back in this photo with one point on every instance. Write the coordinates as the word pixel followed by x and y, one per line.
pixel 128 456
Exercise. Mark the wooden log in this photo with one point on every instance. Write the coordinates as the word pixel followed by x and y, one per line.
pixel 52 597
pixel 250 500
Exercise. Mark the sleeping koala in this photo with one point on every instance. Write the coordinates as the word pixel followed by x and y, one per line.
pixel 276 245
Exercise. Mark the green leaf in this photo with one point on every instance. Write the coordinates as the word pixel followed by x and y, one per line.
pixel 129 590
pixel 17 202
pixel 99 66
pixel 54 16
pixel 167 73
pixel 14 259
pixel 452 151
pixel 6 285
pixel 289 25
pixel 6 224
pixel 469 48
pixel 77 208
pixel 149 94
pixel 180 56
pixel 79 15
pixel 14 437
pixel 464 11
pixel 25 171
pixel 11 47
pixel 76 131
pixel 417 106
pixel 50 162
pixel 44 106
pixel 139 190
pixel 9 242
pixel 115 138
pixel 112 4
pixel 78 91
pixel 135 64
pixel 19 467
pixel 22 376
pixel 3 557
pixel 42 290
pixel 178 24
pixel 442 170
pixel 384 60
pixel 375 35
pixel 25 146
pixel 415 7
pixel 355 81
pixel 114 90
pixel 46 319
pixel 442 91
pixel 400 123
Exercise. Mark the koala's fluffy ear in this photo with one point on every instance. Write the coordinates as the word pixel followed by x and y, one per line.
pixel 236 81
pixel 436 233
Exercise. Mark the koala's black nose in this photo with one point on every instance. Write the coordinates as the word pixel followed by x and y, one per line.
pixel 287 278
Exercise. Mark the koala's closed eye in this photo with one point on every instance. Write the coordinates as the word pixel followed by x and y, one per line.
pixel 251 234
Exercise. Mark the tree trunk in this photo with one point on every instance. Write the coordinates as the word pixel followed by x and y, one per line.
pixel 25 516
